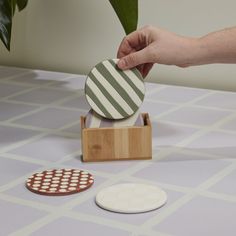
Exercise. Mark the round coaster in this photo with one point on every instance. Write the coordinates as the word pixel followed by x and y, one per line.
pixel 113 93
pixel 131 198
pixel 58 182
pixel 93 120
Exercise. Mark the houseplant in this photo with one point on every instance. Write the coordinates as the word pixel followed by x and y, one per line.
pixel 7 11
pixel 126 10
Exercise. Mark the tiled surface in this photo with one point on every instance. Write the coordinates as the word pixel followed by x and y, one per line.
pixel 194 160
pixel 8 90
pixel 167 135
pixel 51 148
pixel 13 135
pixel 67 226
pixel 217 143
pixel 15 216
pixel 175 172
pixel 195 115
pixel 219 100
pixel 78 102
pixel 99 166
pixel 9 110
pixel 176 94
pixel 226 185
pixel 51 118
pixel 18 168
pixel 230 125
pixel 155 108
pixel 41 96
pixel 202 216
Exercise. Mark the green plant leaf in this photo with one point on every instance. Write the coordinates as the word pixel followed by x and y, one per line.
pixel 5 22
pixel 7 11
pixel 127 12
pixel 13 6
pixel 21 4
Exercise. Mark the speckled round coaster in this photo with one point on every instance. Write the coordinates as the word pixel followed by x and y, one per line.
pixel 93 120
pixel 113 93
pixel 58 182
pixel 131 198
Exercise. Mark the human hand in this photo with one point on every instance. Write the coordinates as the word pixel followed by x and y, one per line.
pixel 149 45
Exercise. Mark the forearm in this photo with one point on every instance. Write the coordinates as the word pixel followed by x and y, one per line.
pixel 216 47
pixel 151 45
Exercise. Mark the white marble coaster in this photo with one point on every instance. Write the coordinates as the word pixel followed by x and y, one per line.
pixel 131 198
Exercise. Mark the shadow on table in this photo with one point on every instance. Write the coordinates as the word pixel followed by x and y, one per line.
pixel 193 154
pixel 167 136
pixel 43 94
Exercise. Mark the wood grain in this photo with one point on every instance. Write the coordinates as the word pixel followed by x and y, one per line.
pixel 126 143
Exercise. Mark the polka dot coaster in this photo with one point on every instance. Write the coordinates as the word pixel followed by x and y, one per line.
pixel 113 93
pixel 131 198
pixel 59 182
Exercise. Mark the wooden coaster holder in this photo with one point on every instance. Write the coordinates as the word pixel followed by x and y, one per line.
pixel 112 143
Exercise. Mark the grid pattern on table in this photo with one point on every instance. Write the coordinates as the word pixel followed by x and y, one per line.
pixel 193 159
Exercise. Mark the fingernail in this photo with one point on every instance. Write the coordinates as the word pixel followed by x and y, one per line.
pixel 121 64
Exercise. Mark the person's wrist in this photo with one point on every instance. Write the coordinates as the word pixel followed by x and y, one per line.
pixel 192 52
pixel 199 52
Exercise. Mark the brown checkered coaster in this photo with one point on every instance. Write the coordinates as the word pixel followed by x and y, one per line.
pixel 113 93
pixel 58 182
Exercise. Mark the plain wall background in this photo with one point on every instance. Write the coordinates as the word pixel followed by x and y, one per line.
pixel 74 35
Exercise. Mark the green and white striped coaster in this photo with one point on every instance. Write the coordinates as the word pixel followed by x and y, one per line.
pixel 113 93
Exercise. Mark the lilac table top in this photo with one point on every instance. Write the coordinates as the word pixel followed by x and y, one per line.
pixel 194 159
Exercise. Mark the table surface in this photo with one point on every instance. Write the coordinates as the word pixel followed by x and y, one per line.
pixel 194 150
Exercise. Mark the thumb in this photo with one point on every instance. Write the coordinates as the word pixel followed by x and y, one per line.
pixel 133 59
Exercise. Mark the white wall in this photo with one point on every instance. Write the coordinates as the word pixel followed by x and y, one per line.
pixel 74 35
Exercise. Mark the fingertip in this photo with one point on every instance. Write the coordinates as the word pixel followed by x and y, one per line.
pixel 121 64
